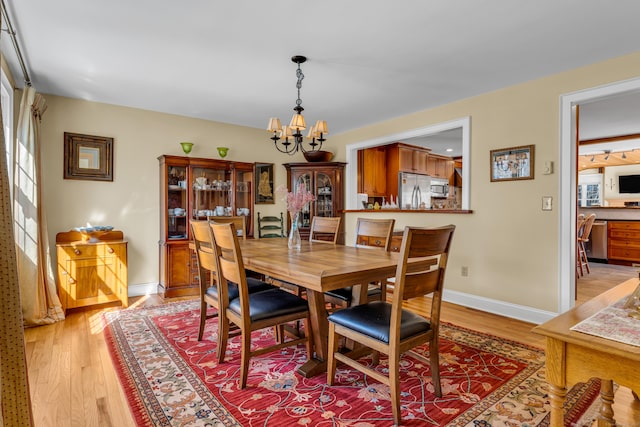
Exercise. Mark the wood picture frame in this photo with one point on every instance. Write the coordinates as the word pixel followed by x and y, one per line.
pixel 88 157
pixel 264 184
pixel 512 164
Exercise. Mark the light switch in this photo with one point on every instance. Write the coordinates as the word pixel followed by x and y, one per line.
pixel 546 203
pixel 548 168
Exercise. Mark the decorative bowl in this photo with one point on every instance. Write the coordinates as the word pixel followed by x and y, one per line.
pixel 318 156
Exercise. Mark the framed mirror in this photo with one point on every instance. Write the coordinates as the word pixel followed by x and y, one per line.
pixel 88 157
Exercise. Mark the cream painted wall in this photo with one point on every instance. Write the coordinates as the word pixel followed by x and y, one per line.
pixel 130 203
pixel 508 243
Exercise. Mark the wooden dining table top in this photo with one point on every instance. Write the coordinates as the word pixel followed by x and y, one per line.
pixel 317 266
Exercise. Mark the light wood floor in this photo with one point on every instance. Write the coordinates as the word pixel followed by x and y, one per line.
pixel 73 382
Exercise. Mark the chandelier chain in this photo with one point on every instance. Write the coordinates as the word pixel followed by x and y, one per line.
pixel 300 76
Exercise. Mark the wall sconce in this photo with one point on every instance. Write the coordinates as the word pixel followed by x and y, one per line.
pixel 186 147
pixel 222 151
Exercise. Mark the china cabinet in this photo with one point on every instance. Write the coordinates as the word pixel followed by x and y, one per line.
pixel 196 189
pixel 91 270
pixel 325 181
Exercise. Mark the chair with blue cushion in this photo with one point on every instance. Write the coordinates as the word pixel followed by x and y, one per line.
pixel 253 311
pixel 208 271
pixel 382 327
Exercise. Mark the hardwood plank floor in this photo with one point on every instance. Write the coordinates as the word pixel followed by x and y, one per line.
pixel 73 381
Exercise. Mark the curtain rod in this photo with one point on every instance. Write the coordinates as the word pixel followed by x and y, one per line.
pixel 12 33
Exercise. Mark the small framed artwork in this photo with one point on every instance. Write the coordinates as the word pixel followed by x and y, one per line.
pixel 511 164
pixel 88 157
pixel 264 184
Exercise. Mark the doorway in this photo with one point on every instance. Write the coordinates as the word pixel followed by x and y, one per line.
pixel 568 180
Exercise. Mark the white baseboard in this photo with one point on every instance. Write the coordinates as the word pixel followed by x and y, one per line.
pixel 141 289
pixel 514 311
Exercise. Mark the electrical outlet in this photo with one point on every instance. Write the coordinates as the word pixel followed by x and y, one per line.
pixel 464 271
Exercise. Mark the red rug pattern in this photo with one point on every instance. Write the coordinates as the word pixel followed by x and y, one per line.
pixel 171 379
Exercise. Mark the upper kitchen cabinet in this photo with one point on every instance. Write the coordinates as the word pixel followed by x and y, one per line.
pixel 325 181
pixel 440 167
pixel 196 189
pixel 372 171
pixel 407 158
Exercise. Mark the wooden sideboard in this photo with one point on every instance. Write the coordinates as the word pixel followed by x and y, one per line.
pixel 92 269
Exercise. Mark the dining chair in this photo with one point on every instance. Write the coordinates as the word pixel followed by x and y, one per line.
pixel 208 274
pixel 270 226
pixel 584 231
pixel 255 311
pixel 383 327
pixel 370 234
pixel 324 229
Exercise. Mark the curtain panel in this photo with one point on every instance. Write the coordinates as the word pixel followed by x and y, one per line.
pixel 40 302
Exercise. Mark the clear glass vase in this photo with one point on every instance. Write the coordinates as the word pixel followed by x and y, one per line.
pixel 294 233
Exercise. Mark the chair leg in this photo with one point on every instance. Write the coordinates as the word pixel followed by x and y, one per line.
pixel 331 359
pixel 434 357
pixel 223 336
pixel 394 386
pixel 584 257
pixel 245 357
pixel 203 318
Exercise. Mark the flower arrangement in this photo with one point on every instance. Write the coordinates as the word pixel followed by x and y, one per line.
pixel 295 201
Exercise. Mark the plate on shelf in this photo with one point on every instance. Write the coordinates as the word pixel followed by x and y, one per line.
pixel 175 187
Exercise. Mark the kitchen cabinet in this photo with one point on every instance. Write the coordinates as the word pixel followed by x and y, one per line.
pixel 372 171
pixel 92 268
pixel 325 181
pixel 623 241
pixel 407 158
pixel 196 189
pixel 440 167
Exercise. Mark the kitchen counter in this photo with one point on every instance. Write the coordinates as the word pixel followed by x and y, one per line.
pixel 613 213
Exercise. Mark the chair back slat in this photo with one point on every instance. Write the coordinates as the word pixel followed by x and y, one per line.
pixel 324 229
pixel 374 233
pixel 420 284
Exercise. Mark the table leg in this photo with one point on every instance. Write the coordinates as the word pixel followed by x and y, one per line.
pixel 320 329
pixel 605 418
pixel 556 396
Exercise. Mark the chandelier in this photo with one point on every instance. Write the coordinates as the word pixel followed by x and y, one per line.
pixel 289 139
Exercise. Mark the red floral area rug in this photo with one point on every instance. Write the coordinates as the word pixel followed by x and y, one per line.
pixel 171 379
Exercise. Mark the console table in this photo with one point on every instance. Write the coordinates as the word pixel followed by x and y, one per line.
pixel 574 356
pixel 92 269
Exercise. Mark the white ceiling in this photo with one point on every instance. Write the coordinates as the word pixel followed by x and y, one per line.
pixel 369 60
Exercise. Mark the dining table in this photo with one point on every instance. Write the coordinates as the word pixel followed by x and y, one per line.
pixel 319 267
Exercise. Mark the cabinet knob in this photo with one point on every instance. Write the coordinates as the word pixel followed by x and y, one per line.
pixel 72 280
pixel 378 242
pixel 77 251
pixel 110 250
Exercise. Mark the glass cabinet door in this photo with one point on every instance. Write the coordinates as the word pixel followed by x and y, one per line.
pixel 305 215
pixel 177 202
pixel 212 193
pixel 324 195
pixel 244 194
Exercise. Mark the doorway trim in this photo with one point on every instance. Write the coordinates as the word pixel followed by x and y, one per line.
pixel 568 176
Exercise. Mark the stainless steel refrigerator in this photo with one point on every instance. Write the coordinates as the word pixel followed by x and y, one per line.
pixel 414 191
